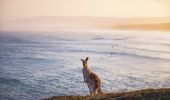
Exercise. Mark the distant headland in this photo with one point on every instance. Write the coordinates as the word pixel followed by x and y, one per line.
pixel 53 23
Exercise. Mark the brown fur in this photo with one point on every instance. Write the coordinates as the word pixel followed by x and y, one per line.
pixel 95 80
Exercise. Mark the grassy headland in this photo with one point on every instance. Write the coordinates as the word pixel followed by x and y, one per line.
pixel 145 94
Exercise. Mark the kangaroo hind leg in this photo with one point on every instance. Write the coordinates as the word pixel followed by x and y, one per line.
pixel 99 91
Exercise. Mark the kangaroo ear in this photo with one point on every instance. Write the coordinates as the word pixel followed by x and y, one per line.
pixel 82 60
pixel 87 59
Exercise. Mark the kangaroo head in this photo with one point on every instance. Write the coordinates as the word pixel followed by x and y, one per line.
pixel 85 65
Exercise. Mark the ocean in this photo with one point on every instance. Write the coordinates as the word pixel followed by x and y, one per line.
pixel 37 65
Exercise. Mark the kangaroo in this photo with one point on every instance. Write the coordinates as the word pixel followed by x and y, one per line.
pixel 92 80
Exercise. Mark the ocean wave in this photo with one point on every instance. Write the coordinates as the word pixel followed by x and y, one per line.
pixel 134 48
pixel 32 58
pixel 11 81
pixel 119 53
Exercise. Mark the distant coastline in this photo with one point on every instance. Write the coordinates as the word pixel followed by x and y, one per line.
pixel 149 27
pixel 52 23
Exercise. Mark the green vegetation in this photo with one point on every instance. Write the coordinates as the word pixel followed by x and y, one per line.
pixel 145 94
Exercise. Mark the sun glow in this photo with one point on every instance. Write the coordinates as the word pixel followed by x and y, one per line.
pixel 15 9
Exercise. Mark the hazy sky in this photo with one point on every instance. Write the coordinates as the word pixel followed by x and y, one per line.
pixel 16 9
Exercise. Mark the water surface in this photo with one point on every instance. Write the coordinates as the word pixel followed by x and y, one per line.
pixel 35 65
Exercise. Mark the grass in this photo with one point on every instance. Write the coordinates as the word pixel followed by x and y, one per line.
pixel 145 94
